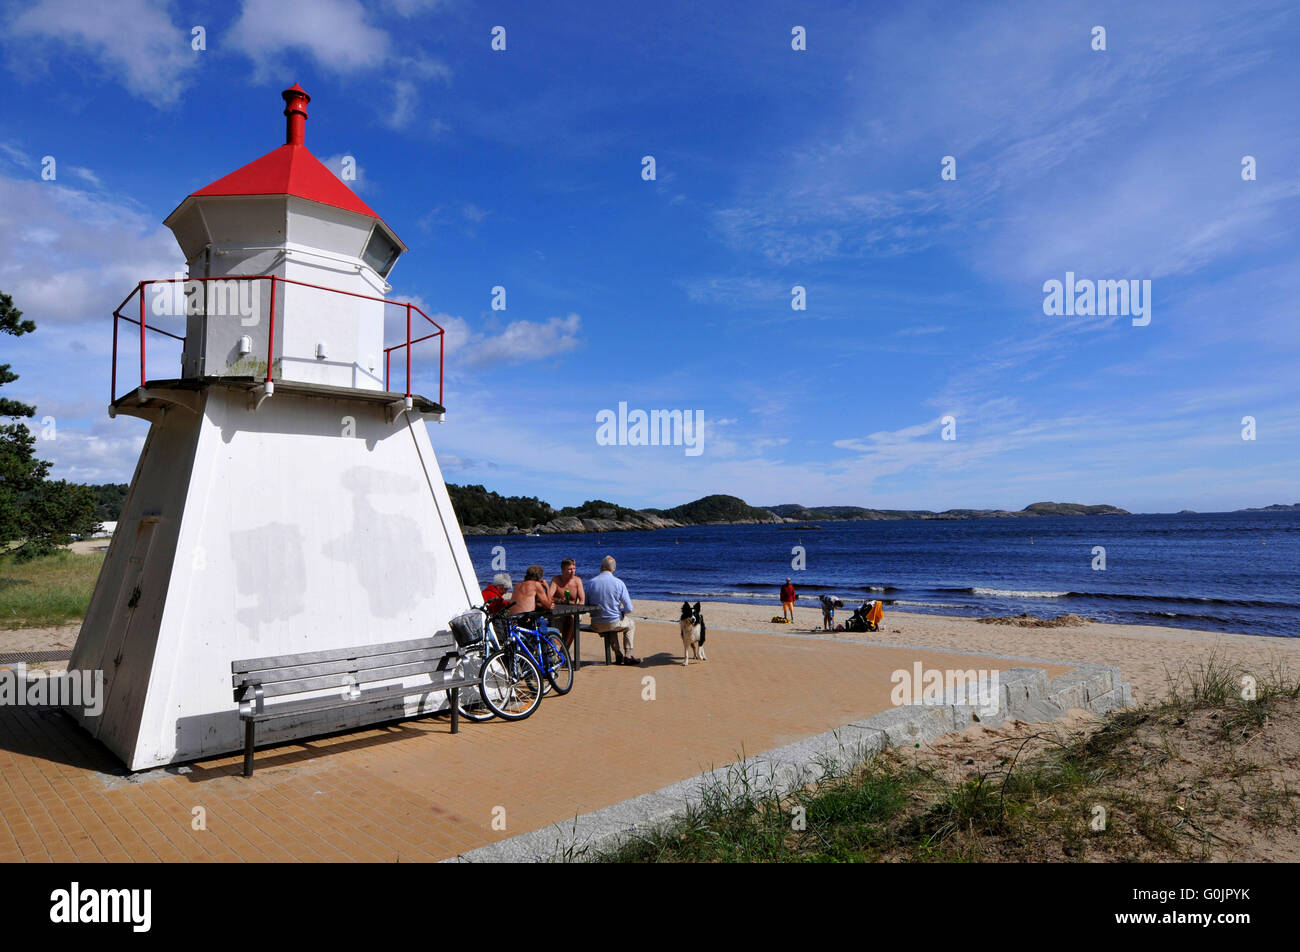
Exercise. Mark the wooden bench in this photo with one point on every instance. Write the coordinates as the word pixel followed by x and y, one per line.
pixel 606 635
pixel 346 671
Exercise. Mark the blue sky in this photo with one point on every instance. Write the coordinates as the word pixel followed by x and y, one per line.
pixel 775 168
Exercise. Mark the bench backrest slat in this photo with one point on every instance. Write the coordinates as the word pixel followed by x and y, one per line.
pixel 361 664
pixel 324 682
pixel 340 654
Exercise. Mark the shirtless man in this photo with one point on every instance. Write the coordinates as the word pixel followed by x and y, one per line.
pixel 532 593
pixel 568 583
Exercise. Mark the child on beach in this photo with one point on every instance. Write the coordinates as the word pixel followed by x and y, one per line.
pixel 828 611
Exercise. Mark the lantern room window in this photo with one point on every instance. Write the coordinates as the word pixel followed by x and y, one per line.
pixel 381 252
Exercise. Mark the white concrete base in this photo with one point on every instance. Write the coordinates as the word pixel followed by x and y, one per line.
pixel 307 524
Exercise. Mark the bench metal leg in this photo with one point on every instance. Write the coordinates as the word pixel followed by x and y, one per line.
pixel 249 728
pixel 577 643
pixel 455 710
pixel 606 637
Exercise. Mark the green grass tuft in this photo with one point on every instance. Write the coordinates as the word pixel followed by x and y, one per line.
pixel 53 590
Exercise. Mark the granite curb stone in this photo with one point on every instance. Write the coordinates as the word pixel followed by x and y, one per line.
pixel 1026 695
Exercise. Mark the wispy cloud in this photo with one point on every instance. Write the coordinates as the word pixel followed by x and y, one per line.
pixel 134 40
pixel 340 37
pixel 336 34
pixel 69 255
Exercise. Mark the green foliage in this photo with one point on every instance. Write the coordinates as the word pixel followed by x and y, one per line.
pixel 599 509
pixel 476 506
pixel 34 512
pixel 851 513
pixel 717 508
pixel 1071 509
pixel 109 500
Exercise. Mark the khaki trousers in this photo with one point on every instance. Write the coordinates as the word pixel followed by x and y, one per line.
pixel 627 626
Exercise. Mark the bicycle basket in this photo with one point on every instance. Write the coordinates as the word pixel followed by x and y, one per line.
pixel 467 628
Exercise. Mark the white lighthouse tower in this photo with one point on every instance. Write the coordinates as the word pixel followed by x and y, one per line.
pixel 287 498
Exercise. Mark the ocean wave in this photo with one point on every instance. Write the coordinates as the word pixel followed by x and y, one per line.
pixel 1015 593
pixel 815 587
pixel 1204 600
pixel 769 596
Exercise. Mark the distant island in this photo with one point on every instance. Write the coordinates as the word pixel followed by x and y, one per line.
pixel 795 513
pixel 482 512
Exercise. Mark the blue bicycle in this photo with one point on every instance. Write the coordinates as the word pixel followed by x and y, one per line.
pixel 510 685
pixel 546 647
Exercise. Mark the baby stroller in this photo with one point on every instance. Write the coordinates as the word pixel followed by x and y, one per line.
pixel 867 617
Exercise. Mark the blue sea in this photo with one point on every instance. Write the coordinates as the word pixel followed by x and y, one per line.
pixel 1236 572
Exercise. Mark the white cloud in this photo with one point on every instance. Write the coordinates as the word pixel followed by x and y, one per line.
pixel 101 453
pixel 338 36
pixel 68 255
pixel 1066 158
pixel 521 341
pixel 410 8
pixel 18 157
pixel 333 32
pixel 406 89
pixel 86 175
pixel 335 164
pixel 131 39
pixel 737 290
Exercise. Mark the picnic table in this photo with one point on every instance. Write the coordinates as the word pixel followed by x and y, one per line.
pixel 569 611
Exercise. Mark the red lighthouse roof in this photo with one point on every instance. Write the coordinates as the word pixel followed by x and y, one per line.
pixel 291 169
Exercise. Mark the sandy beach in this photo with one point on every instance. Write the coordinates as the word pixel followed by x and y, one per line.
pixel 1146 654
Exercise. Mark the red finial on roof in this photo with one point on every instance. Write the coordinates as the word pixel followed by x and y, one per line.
pixel 291 169
pixel 295 110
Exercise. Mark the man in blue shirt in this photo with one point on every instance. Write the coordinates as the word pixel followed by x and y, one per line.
pixel 612 610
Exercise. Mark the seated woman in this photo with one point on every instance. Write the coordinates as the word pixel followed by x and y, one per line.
pixel 532 594
pixel 497 595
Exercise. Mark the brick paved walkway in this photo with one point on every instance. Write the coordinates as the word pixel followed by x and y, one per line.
pixel 413 792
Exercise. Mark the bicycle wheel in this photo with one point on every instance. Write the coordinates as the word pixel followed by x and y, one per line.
pixel 511 685
pixel 559 664
pixel 471 704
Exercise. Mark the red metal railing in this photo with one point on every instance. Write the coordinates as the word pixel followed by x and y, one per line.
pixel 270 333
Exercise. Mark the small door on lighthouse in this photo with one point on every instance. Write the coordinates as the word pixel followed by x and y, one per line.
pixel 131 612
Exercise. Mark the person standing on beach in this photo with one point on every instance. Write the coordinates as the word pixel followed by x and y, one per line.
pixel 566 589
pixel 787 601
pixel 613 606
